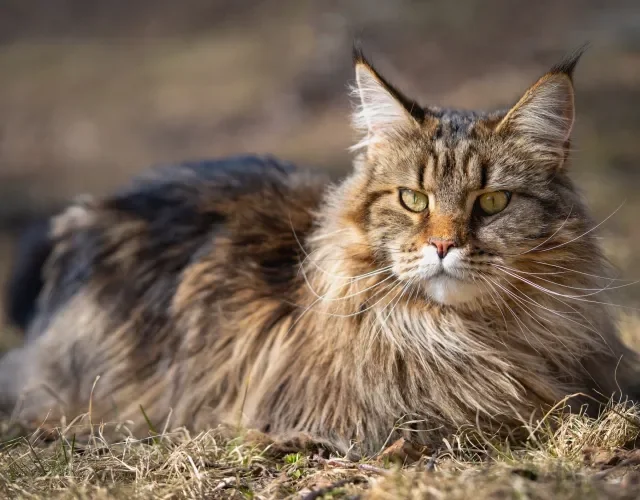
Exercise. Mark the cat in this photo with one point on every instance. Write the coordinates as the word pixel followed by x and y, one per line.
pixel 450 279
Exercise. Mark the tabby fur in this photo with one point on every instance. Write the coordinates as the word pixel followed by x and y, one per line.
pixel 248 291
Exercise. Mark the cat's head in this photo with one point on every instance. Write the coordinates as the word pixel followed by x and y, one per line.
pixel 455 200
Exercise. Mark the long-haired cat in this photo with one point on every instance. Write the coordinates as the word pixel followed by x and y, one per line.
pixel 452 278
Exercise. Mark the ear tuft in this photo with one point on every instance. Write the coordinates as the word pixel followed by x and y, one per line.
pixel 358 55
pixel 569 63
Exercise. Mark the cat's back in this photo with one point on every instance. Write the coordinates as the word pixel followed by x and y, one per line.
pixel 130 250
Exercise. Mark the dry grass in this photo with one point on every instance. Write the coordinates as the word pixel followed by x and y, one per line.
pixel 566 456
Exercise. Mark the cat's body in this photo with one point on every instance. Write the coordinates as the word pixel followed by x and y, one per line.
pixel 245 291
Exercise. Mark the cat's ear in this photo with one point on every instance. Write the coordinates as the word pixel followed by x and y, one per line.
pixel 382 112
pixel 544 115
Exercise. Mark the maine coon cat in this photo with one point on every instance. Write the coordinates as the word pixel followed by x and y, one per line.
pixel 452 278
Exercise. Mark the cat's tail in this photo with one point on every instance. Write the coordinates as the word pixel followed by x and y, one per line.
pixel 26 279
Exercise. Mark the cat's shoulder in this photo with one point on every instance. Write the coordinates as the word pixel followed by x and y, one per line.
pixel 190 191
pixel 191 181
pixel 244 171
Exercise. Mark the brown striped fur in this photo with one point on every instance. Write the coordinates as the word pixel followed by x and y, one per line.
pixel 248 291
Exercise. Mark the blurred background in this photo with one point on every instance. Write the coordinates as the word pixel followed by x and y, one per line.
pixel 92 92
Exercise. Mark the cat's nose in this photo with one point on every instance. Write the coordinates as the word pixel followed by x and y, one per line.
pixel 442 246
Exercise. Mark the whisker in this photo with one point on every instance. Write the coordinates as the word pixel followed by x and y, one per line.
pixel 301 269
pixel 330 314
pixel 376 332
pixel 530 312
pixel 307 257
pixel 355 293
pixel 393 286
pixel 572 297
pixel 590 326
pixel 577 272
pixel 518 320
pixel 550 237
pixel 492 295
pixel 341 277
pixel 594 290
pixel 399 298
pixel 586 232
pixel 322 236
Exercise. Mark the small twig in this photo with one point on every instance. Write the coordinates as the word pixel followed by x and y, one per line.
pixel 334 486
pixel 227 482
pixel 345 464
pixel 373 468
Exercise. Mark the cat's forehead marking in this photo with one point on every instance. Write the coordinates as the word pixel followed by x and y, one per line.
pixel 453 168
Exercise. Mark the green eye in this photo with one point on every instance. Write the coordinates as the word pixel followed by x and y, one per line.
pixel 494 202
pixel 414 201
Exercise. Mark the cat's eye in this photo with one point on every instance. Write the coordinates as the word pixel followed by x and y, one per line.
pixel 494 202
pixel 413 200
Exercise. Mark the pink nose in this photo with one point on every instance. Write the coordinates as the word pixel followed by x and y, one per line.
pixel 442 246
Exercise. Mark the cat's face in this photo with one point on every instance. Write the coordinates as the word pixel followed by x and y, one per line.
pixel 459 203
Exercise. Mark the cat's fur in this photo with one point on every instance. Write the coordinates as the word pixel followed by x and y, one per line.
pixel 246 291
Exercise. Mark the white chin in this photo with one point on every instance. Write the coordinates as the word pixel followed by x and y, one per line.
pixel 450 291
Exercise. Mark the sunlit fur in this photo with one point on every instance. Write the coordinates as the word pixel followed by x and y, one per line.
pixel 248 292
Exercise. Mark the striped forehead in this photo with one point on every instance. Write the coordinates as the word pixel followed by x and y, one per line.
pixel 453 161
pixel 451 167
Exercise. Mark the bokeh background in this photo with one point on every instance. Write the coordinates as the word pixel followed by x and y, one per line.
pixel 92 92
